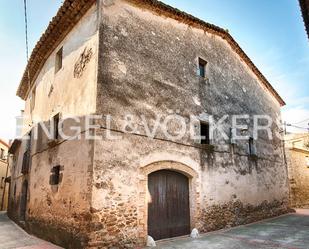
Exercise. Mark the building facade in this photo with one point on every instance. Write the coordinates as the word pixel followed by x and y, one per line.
pixel 4 171
pixel 129 62
pixel 297 151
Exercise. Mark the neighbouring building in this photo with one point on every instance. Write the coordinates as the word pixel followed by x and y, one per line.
pixel 297 151
pixel 304 5
pixel 146 59
pixel 16 179
pixel 4 171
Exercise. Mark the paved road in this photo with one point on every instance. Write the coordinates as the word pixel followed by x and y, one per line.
pixel 287 232
pixel 12 236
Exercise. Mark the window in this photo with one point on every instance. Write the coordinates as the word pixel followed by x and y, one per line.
pixel 2 182
pixel 202 67
pixel 32 100
pixel 27 156
pixel 58 62
pixel 205 135
pixel 252 151
pixel 56 120
pixel 2 154
pixel 232 136
pixel 55 175
pixel 307 161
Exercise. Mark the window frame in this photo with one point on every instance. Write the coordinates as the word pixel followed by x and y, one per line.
pixel 59 60
pixel 2 154
pixel 32 99
pixel 56 120
pixel 55 176
pixel 206 140
pixel 252 148
pixel 202 64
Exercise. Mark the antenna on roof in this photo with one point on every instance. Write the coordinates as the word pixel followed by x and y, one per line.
pixel 26 36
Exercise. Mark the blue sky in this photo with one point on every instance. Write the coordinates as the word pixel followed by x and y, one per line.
pixel 271 32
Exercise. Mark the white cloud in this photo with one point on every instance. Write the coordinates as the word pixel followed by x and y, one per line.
pixel 294 116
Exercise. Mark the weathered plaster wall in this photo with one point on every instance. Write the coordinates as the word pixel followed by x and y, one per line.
pixel 299 178
pixel 147 66
pixel 61 213
pixel 298 167
pixel 17 179
pixel 67 92
pixel 3 171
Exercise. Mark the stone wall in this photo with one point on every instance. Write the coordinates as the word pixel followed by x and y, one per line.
pixel 147 66
pixel 17 179
pixel 61 213
pixel 298 161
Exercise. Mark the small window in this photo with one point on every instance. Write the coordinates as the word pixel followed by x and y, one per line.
pixel 55 175
pixel 58 63
pixel 2 182
pixel 56 120
pixel 2 154
pixel 32 100
pixel 252 150
pixel 28 144
pixel 202 67
pixel 205 136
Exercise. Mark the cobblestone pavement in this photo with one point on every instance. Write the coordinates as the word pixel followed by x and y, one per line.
pixel 12 236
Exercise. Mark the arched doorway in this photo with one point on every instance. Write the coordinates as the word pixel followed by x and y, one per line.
pixel 23 200
pixel 168 207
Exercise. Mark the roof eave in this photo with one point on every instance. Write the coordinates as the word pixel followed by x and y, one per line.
pixel 304 6
pixel 38 55
pixel 4 143
pixel 14 146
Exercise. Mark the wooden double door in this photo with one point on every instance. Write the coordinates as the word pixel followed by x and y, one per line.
pixel 168 207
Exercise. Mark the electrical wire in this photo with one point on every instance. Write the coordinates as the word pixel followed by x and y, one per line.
pixel 26 29
pixel 301 121
pixel 295 126
pixel 26 37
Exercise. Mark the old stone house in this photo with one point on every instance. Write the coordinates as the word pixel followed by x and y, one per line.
pixel 143 58
pixel 297 152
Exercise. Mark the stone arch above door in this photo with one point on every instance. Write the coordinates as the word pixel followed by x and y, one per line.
pixel 170 165
pixel 181 162
pixel 194 190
